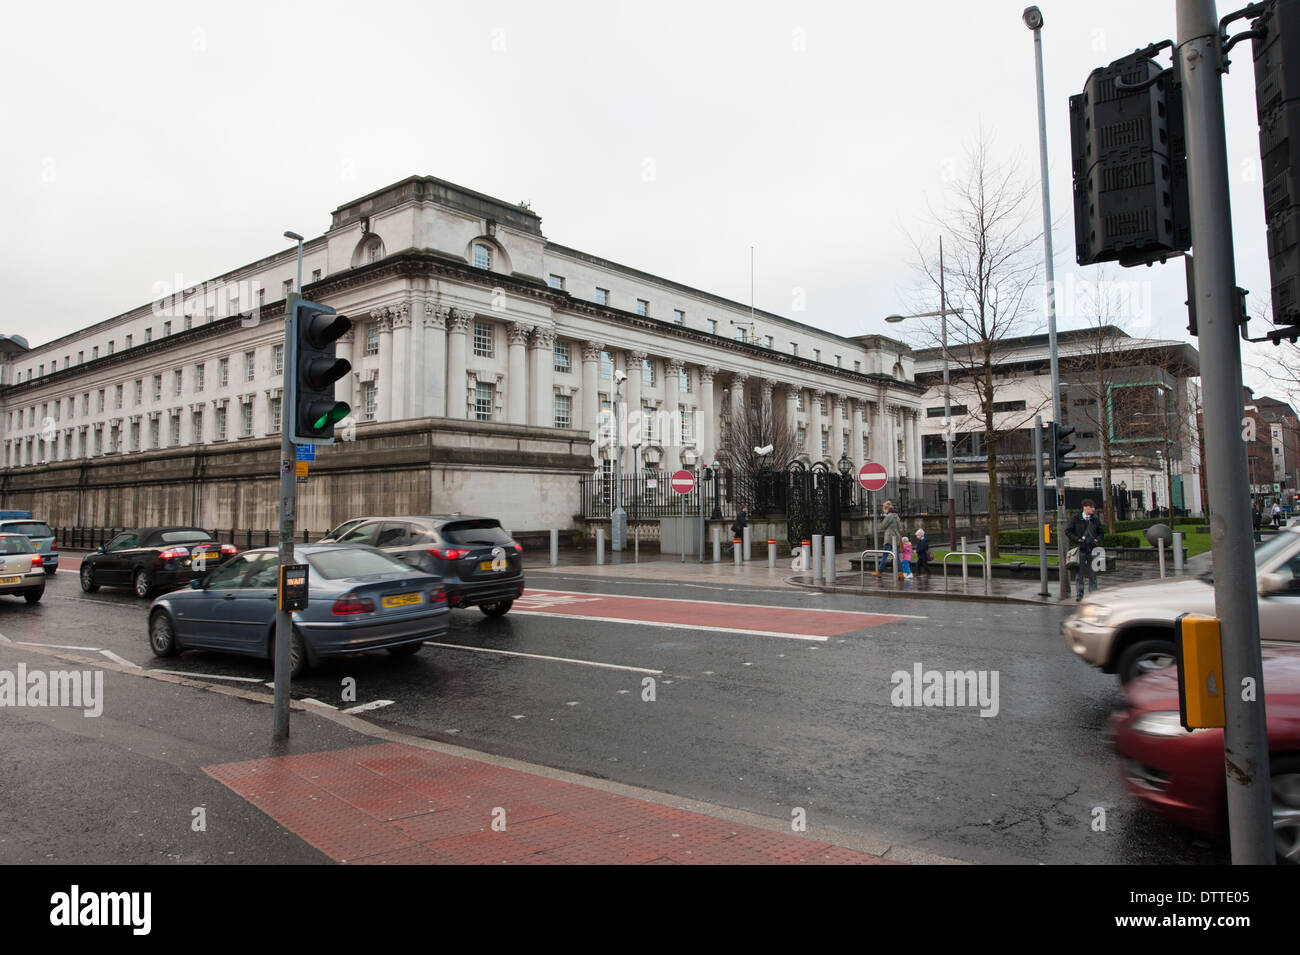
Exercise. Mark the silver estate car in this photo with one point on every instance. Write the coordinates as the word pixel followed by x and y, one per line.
pixel 1129 630
pixel 22 571
pixel 359 599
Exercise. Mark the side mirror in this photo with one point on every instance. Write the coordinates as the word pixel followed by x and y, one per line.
pixel 1275 584
pixel 99 549
pixel 196 584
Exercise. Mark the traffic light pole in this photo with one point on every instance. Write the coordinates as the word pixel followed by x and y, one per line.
pixel 288 502
pixel 1245 746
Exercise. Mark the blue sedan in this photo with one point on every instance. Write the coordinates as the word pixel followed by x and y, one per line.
pixel 359 599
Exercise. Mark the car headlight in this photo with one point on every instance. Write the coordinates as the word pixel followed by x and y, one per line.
pixel 1164 723
pixel 1095 614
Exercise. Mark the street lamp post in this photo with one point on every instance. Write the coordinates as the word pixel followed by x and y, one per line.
pixel 618 519
pixel 717 499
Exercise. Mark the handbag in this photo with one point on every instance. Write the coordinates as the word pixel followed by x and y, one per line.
pixel 1072 557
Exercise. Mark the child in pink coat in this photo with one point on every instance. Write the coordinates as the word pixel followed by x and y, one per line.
pixel 905 551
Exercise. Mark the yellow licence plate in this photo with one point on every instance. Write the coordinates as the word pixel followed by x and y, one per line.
pixel 6 581
pixel 401 600
pixel 487 565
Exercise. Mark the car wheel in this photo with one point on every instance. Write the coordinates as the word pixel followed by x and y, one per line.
pixel 162 635
pixel 88 579
pixel 498 609
pixel 143 585
pixel 1145 656
pixel 1286 809
pixel 297 655
pixel 34 596
pixel 406 650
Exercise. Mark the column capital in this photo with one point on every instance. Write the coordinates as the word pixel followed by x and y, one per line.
pixel 435 316
pixel 819 394
pixel 707 374
pixel 518 332
pixel 673 367
pixel 591 350
pixel 543 337
pixel 765 387
pixel 738 379
pixel 637 357
pixel 401 315
pixel 458 319
pixel 383 318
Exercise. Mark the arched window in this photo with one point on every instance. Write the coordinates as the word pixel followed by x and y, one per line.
pixel 369 249
pixel 482 256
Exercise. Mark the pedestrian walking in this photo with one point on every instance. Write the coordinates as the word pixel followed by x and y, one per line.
pixel 1085 532
pixel 905 554
pixel 922 547
pixel 1277 514
pixel 890 529
pixel 738 527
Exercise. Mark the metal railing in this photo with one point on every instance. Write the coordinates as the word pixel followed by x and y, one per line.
pixel 966 555
pixel 89 538
pixel 862 575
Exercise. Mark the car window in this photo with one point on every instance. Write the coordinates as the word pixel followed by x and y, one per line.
pixel 361 534
pixel 394 535
pixel 16 545
pixel 122 542
pixel 342 529
pixel 227 577
pixel 183 536
pixel 354 562
pixel 30 528
pixel 265 572
pixel 475 532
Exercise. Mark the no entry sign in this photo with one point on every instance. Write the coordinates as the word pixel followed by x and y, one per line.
pixel 872 476
pixel 683 482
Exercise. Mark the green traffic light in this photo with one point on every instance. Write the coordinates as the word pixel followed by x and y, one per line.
pixel 332 417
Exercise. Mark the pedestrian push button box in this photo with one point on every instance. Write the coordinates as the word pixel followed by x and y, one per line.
pixel 293 587
pixel 1200 671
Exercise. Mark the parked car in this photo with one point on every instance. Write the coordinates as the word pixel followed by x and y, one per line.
pixel 21 568
pixel 359 599
pixel 42 538
pixel 152 559
pixel 338 532
pixel 478 561
pixel 1129 629
pixel 1180 774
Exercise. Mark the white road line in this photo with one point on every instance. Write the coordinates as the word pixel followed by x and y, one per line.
pixel 372 705
pixel 538 656
pixel 117 659
pixel 4 639
pixel 717 603
pixel 671 626
pixel 210 676
pixel 55 646
pixel 315 702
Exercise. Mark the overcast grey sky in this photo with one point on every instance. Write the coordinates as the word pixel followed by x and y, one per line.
pixel 148 139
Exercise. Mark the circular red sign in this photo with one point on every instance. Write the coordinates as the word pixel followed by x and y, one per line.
pixel 683 482
pixel 872 476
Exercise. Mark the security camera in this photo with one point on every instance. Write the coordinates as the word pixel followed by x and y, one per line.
pixel 620 376
pixel 1033 18
pixel 765 449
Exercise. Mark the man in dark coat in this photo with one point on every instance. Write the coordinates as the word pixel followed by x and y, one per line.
pixel 1084 532
pixel 738 527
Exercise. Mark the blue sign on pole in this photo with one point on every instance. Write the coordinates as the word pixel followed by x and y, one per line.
pixel 306 452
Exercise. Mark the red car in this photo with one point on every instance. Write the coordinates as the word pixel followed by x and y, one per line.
pixel 1180 774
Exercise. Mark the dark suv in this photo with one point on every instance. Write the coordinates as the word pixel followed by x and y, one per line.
pixel 480 565
pixel 153 559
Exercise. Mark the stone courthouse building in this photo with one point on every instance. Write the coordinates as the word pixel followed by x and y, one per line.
pixel 484 362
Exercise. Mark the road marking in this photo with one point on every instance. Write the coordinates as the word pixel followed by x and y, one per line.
pixel 55 646
pixel 538 656
pixel 315 702
pixel 714 603
pixel 117 659
pixel 372 705
pixel 671 626
pixel 210 676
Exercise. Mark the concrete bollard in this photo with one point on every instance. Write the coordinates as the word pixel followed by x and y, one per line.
pixel 771 552
pixel 636 544
pixel 1161 545
pixel 600 545
pixel 988 558
pixel 717 545
pixel 737 551
pixel 828 564
pixel 748 558
pixel 555 546
pixel 1178 553
pixel 816 557
pixel 963 561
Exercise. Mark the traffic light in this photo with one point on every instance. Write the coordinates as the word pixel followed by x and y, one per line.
pixel 1129 160
pixel 1276 41
pixel 313 409
pixel 1060 449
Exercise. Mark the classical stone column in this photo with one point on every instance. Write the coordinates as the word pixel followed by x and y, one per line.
pixel 672 442
pixel 401 315
pixel 792 419
pixel 434 384
pixel 458 320
pixel 384 319
pixel 879 444
pixel 632 394
pixel 918 443
pixel 708 422
pixel 517 383
pixel 590 394
pixel 838 448
pixel 855 433
pixel 541 377
pixel 738 409
pixel 815 423
pixel 765 398
pixel 343 387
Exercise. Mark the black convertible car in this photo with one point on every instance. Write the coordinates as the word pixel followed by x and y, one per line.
pixel 153 559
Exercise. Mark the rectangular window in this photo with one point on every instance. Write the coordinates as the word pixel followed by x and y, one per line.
pixel 315 275
pixel 741 333
pixel 606 365
pixel 686 423
pixel 275 416
pixel 825 445
pixel 250 365
pixel 712 326
pixel 684 380
pixel 197 424
pixel 246 419
pixel 135 435
pixel 223 372
pixel 94 353
pixel 817 354
pixel 277 359
pixel 81 357
pixel 221 425
pixel 198 377
pixel 110 351
pixel 117 396
pixel 857 366
pixel 139 390
pixel 175 430
pixel 368 401
pixel 563 358
pixel 372 338
pixel 838 362
pixel 482 257
pixel 286 287
pixel 602 296
pixel 128 341
pixel 563 411
pixel 178 381
pixel 767 341
pixel 794 349
pixel 679 317
pixel 647 373
pixel 148 335
pixel 153 432
pixel 99 440
pixel 99 404
pixel 189 321
pixel 482 339
pixel 157 387
pixel 210 313
pixel 642 307
pixel 647 423
pixel 799 400
pixel 1008 406
pixel 557 282
pixel 483 401
pixel 167 329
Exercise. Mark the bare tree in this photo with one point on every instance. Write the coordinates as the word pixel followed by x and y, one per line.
pixel 755 425
pixel 989 267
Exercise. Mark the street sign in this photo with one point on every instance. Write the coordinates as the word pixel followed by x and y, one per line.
pixel 651 483
pixel 683 482
pixel 872 476
pixel 306 452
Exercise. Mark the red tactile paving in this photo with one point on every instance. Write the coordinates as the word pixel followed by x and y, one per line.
pixel 651 610
pixel 394 804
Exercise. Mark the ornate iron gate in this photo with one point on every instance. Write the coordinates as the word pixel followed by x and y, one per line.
pixel 814 499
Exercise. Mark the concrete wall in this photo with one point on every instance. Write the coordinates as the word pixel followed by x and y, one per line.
pixel 525 476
